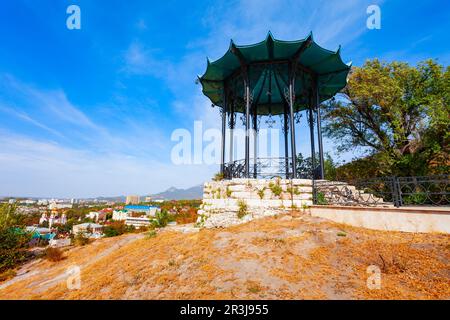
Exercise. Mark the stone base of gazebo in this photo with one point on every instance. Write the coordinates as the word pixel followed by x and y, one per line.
pixel 231 202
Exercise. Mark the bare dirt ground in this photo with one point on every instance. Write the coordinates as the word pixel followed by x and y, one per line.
pixel 284 257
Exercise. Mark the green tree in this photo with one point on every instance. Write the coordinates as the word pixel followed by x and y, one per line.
pixel 13 239
pixel 161 219
pixel 9 217
pixel 304 166
pixel 397 113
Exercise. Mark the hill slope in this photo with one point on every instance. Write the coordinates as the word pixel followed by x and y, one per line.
pixel 287 257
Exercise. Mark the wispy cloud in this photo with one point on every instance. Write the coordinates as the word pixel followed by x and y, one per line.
pixel 245 21
pixel 31 167
pixel 140 60
pixel 116 157
pixel 52 111
pixel 25 117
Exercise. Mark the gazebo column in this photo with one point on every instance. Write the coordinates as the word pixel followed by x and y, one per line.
pixel 247 129
pixel 224 121
pixel 319 127
pixel 231 126
pixel 311 134
pixel 255 145
pixel 291 118
pixel 285 133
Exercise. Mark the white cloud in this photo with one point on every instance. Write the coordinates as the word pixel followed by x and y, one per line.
pixel 52 111
pixel 30 167
pixel 132 159
pixel 25 117
pixel 140 60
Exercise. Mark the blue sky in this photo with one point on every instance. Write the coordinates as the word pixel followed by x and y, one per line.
pixel 90 112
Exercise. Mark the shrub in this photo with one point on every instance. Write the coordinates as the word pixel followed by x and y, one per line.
pixel 201 223
pixel 161 219
pixel 261 193
pixel 393 258
pixel 6 275
pixel 218 177
pixel 10 258
pixel 117 228
pixel 253 287
pixel 13 239
pixel 190 216
pixel 150 234
pixel 243 209
pixel 320 198
pixel 53 254
pixel 416 198
pixel 80 240
pixel 228 192
pixel 276 188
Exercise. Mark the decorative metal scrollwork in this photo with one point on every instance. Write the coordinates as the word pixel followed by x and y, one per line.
pixel 298 117
pixel 286 93
pixel 270 122
pixel 385 191
pixel 284 126
pixel 244 120
pixel 265 168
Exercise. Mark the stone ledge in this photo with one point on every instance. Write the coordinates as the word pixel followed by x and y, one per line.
pixel 221 199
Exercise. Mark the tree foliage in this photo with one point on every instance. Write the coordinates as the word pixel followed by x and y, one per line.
pixel 397 113
pixel 13 240
pixel 305 166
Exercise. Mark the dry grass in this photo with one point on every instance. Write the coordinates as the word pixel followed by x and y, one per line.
pixel 303 258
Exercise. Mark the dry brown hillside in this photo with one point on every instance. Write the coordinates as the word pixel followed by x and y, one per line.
pixel 282 257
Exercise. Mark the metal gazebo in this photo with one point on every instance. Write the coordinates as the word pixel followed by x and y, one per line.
pixel 273 77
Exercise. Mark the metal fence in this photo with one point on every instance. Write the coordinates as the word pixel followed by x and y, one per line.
pixel 386 191
pixel 264 168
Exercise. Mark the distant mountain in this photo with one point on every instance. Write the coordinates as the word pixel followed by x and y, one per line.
pixel 115 199
pixel 173 193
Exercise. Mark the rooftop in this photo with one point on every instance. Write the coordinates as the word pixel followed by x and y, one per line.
pixel 138 207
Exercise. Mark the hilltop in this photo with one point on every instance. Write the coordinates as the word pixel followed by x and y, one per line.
pixel 284 257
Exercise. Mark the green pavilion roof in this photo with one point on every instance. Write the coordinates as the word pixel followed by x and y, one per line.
pixel 267 64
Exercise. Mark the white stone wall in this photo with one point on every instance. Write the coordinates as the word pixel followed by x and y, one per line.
pixel 223 201
pixel 388 219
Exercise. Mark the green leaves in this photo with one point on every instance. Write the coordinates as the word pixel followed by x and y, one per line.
pixel 396 111
pixel 13 240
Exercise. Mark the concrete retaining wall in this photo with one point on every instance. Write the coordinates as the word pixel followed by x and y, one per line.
pixel 393 219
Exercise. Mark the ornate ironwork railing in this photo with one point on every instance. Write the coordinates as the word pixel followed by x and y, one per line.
pixel 265 168
pixel 396 191
pixel 431 190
